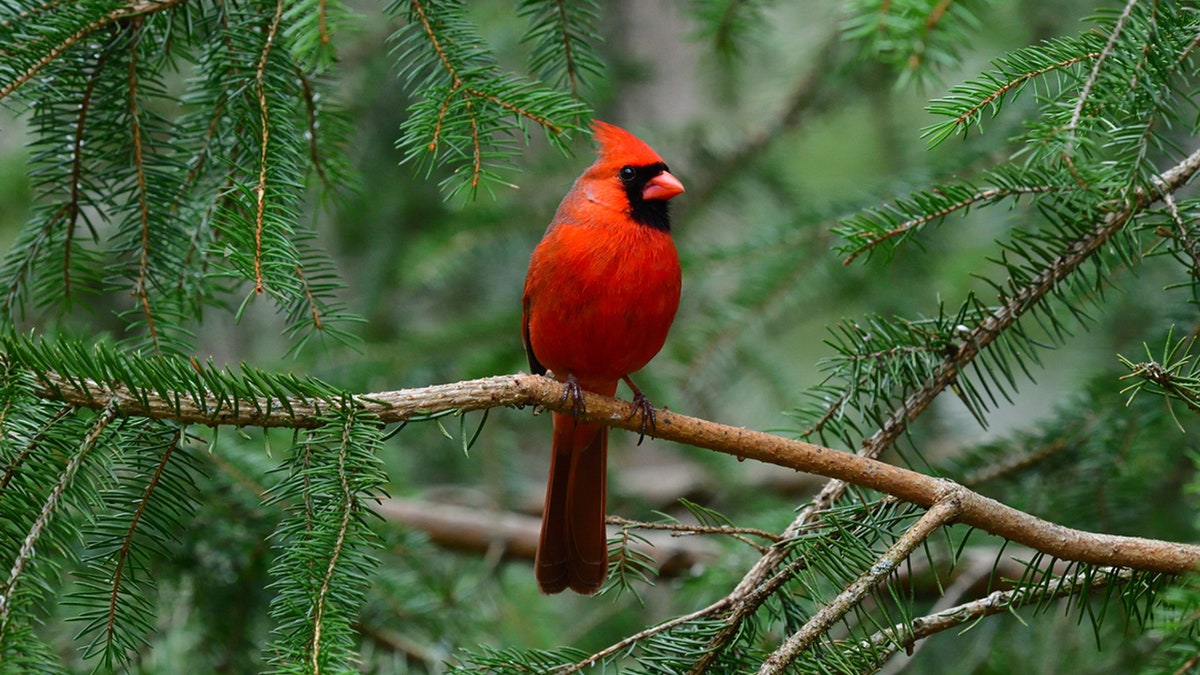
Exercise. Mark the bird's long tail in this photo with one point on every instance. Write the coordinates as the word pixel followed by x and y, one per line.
pixel 573 548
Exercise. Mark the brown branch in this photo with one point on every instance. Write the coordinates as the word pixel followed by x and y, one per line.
pixel 142 285
pixel 515 535
pixel 264 139
pixel 426 26
pixel 137 8
pixel 322 26
pixel 976 571
pixel 127 544
pixel 519 390
pixel 1187 666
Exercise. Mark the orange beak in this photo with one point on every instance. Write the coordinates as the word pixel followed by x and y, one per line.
pixel 663 186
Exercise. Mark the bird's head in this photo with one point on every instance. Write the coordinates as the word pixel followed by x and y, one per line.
pixel 634 170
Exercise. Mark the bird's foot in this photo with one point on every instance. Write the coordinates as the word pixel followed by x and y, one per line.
pixel 641 405
pixel 573 392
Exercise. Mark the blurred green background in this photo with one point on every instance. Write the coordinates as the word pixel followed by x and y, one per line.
pixel 774 143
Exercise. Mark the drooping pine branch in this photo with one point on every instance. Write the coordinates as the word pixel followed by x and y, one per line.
pixel 914 38
pixel 470 116
pixel 562 35
pixel 227 160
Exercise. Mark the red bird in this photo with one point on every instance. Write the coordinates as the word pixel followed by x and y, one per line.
pixel 600 296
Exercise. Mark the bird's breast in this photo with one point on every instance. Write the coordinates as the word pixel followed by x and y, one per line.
pixel 601 299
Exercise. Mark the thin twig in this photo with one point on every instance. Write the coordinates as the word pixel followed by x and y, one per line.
pixel 942 513
pixel 264 141
pixel 142 286
pixel 1019 81
pixel 76 175
pixel 931 24
pixel 682 529
pixel 310 109
pixel 984 195
pixel 1086 91
pixel 560 8
pixel 618 647
pixel 338 546
pixel 139 511
pixel 53 501
pixel 901 635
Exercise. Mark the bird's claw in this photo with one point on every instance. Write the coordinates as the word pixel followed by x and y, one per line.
pixel 573 392
pixel 642 405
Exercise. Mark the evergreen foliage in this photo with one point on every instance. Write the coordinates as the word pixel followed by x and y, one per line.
pixel 188 160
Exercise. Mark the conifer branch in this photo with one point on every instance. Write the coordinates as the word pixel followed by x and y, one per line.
pixel 560 9
pixel 260 192
pixel 689 529
pixel 865 245
pixel 941 513
pixel 1016 305
pixel 141 288
pixel 347 508
pixel 621 646
pixel 73 204
pixel 1019 81
pixel 11 469
pixel 310 110
pixel 109 413
pixel 945 375
pixel 1086 91
pixel 136 8
pixel 123 553
pixel 890 640
pixel 931 23
pixel 1182 233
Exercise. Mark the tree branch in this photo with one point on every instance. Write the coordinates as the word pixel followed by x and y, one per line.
pixel 766 571
pixel 515 535
pixel 136 8
pixel 942 513
pixel 994 603
pixel 520 390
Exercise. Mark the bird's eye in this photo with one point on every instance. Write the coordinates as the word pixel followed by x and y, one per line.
pixel 627 173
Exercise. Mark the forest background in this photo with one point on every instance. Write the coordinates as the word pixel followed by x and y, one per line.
pixel 841 236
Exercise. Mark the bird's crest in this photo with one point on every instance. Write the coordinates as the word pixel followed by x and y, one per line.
pixel 619 145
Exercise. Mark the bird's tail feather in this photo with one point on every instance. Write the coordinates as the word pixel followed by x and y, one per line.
pixel 573 547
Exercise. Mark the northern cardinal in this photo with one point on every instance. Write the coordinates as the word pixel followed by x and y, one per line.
pixel 600 296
